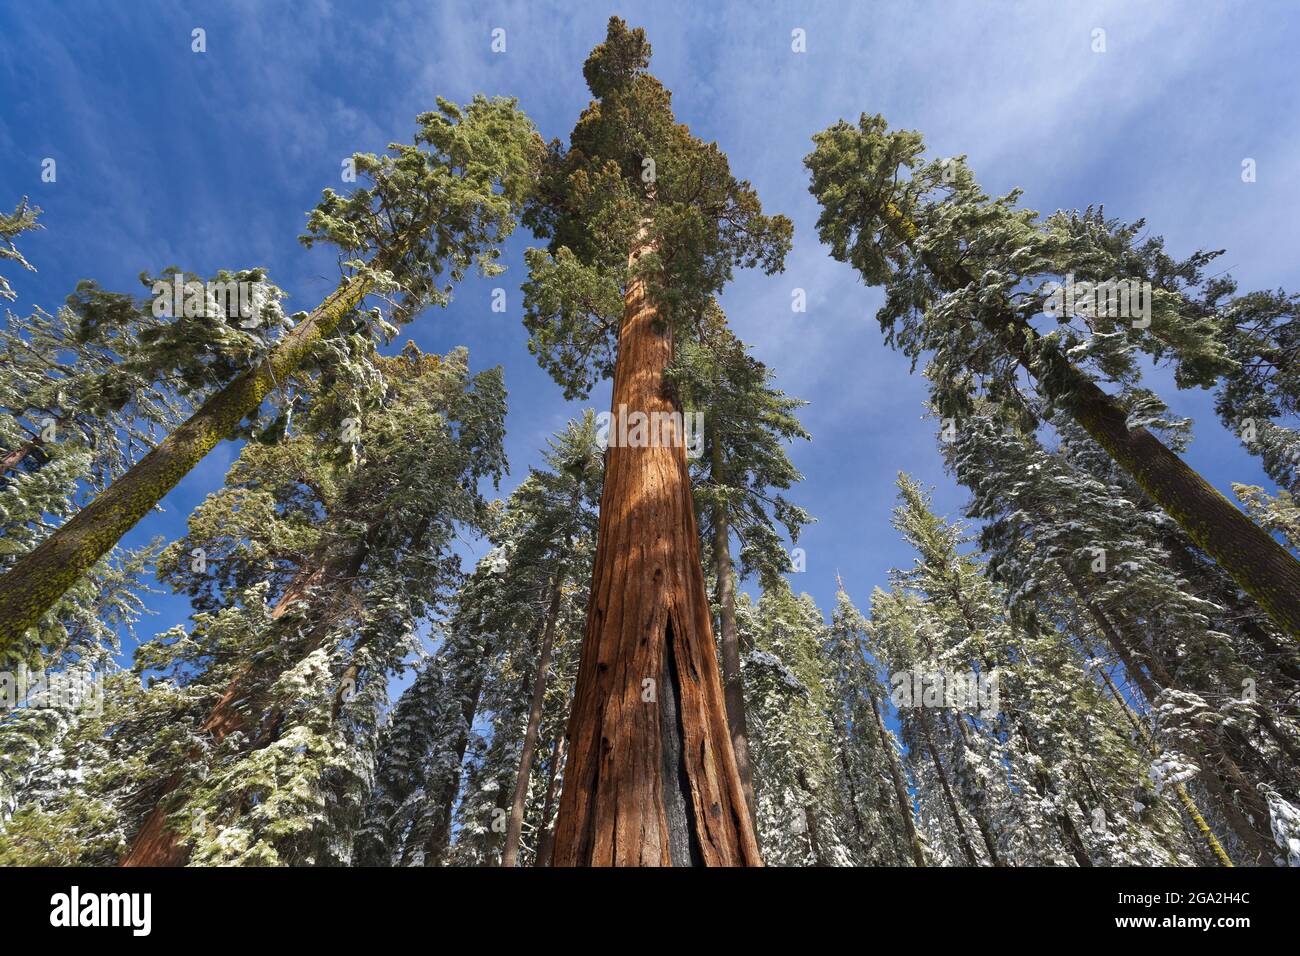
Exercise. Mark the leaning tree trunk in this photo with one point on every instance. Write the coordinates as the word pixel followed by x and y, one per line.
pixel 962 837
pixel 1064 822
pixel 732 683
pixel 979 805
pixel 651 778
pixel 546 844
pixel 900 789
pixel 515 826
pixel 1261 567
pixel 1203 831
pixel 42 576
pixel 1212 752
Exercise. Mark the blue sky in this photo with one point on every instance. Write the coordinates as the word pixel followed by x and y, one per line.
pixel 208 161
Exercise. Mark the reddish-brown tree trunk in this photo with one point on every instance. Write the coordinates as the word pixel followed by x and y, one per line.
pixel 155 844
pixel 12 459
pixel 651 779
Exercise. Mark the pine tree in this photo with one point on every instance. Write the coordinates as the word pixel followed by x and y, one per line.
pixel 434 207
pixel 493 768
pixel 1040 772
pixel 1074 540
pixel 410 812
pixel 559 508
pixel 871 774
pixel 513 628
pixel 12 225
pixel 939 623
pixel 254 740
pixel 1261 333
pixel 800 814
pixel 738 486
pixel 83 394
pixel 966 277
pixel 645 222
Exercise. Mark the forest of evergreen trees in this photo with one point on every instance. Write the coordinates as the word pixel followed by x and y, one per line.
pixel 1096 665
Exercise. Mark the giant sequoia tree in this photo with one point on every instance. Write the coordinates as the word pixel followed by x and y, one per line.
pixel 965 276
pixel 433 209
pixel 645 224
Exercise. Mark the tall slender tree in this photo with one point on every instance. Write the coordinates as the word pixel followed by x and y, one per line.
pixel 871 773
pixel 646 223
pixel 802 817
pixel 1075 542
pixel 435 207
pixel 411 811
pixel 351 531
pixel 559 508
pixel 966 280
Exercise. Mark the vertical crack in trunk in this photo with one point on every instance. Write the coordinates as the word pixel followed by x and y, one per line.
pixel 679 809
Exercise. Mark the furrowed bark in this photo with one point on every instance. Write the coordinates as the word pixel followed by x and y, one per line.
pixel 42 576
pixel 648 680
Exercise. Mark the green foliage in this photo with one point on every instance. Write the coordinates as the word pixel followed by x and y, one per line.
pixel 747 424
pixel 12 225
pixel 789 709
pixel 436 206
pixel 480 677
pixel 1051 773
pixel 633 180
pixel 966 273
pixel 317 570
pixel 1261 394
